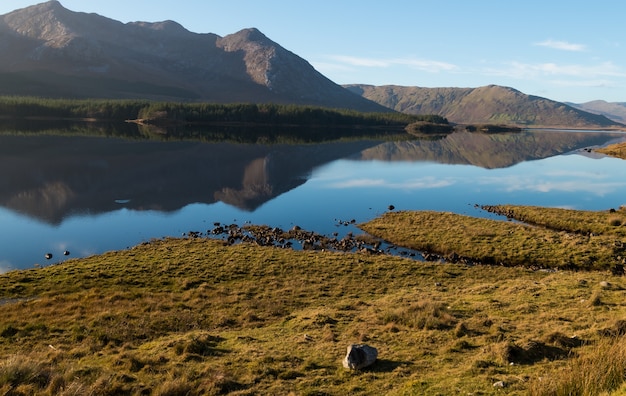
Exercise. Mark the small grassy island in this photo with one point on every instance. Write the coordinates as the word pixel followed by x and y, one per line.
pixel 617 150
pixel 195 316
pixel 436 127
pixel 492 128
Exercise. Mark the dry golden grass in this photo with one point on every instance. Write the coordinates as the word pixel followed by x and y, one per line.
pixel 542 237
pixel 196 317
pixel 615 150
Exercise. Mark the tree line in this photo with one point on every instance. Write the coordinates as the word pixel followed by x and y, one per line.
pixel 275 114
pixel 196 113
pixel 101 109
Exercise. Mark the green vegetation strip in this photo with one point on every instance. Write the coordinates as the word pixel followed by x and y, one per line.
pixel 199 317
pixel 182 113
pixel 549 238
pixel 208 122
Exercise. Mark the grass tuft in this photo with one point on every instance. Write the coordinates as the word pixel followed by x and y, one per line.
pixel 597 372
pixel 424 315
pixel 175 387
pixel 615 221
pixel 18 370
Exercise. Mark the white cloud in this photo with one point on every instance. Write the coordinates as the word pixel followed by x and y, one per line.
pixel 357 61
pixel 562 45
pixel 427 65
pixel 584 83
pixel 529 70
pixel 328 67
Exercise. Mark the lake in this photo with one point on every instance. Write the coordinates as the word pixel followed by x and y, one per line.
pixel 91 194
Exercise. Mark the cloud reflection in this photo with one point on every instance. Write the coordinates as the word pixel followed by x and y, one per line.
pixel 593 185
pixel 411 184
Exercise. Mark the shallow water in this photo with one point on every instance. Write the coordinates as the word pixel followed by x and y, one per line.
pixel 88 195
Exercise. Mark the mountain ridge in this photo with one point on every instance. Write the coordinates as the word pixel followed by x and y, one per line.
pixel 57 52
pixel 47 50
pixel 491 104
pixel 615 111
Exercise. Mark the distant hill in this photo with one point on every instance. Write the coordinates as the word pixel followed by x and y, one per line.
pixel 615 111
pixel 47 50
pixel 490 104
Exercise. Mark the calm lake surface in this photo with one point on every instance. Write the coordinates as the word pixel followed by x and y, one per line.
pixel 88 195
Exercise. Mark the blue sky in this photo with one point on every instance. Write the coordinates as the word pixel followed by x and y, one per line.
pixel 562 50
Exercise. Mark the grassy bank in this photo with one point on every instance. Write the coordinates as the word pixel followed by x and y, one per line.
pixel 615 150
pixel 541 237
pixel 195 316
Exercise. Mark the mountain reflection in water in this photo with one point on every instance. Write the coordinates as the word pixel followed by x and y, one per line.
pixel 51 177
pixel 487 150
pixel 52 180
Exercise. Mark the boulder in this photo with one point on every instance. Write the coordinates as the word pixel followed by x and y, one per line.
pixel 359 356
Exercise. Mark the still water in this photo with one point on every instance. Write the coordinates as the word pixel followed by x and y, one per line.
pixel 88 195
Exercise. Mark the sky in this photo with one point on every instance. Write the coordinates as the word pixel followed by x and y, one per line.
pixel 564 50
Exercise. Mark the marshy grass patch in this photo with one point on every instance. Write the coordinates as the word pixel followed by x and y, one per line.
pixel 541 238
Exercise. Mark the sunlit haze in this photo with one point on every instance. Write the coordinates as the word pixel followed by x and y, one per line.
pixel 569 51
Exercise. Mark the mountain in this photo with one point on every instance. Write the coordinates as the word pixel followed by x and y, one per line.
pixel 615 111
pixel 491 104
pixel 48 50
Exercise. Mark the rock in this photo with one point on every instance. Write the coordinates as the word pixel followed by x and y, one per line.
pixel 499 384
pixel 359 356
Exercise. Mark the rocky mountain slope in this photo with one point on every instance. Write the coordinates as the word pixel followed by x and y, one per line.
pixel 615 111
pixel 48 50
pixel 489 104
